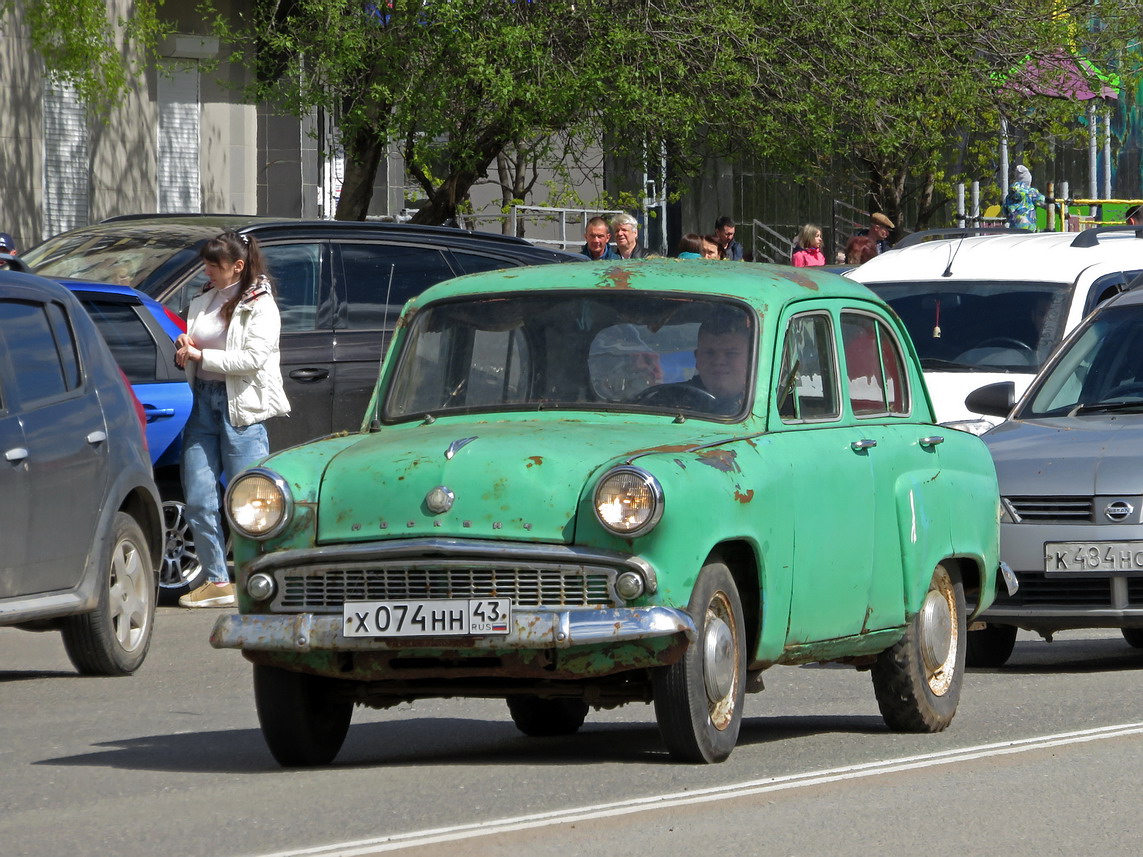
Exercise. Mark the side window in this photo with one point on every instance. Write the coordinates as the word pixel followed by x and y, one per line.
pixel 296 271
pixel 42 347
pixel 1107 287
pixel 377 280
pixel 475 263
pixel 128 338
pixel 874 368
pixel 807 382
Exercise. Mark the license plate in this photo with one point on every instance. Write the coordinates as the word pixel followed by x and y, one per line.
pixel 455 617
pixel 1093 556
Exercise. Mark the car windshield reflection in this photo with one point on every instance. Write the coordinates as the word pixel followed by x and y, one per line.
pixel 994 326
pixel 639 352
pixel 1101 370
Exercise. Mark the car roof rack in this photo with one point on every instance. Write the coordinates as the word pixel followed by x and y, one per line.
pixel 1090 237
pixel 914 238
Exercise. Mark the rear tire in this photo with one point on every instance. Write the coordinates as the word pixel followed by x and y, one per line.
pixel 182 571
pixel 991 646
pixel 699 699
pixel 918 679
pixel 303 723
pixel 114 638
pixel 537 717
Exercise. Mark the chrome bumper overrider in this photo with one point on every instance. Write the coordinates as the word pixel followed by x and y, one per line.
pixel 531 629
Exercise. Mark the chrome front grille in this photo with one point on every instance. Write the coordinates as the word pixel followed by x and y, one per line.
pixel 321 589
pixel 1033 510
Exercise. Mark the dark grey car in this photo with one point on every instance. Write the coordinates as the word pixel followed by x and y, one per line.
pixel 80 520
pixel 341 286
pixel 1071 485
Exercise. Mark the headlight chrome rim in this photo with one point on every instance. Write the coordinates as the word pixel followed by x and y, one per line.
pixel 286 499
pixel 653 487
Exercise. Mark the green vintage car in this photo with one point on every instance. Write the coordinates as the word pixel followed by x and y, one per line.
pixel 579 486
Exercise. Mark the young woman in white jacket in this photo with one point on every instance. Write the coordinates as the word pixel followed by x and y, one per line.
pixel 230 355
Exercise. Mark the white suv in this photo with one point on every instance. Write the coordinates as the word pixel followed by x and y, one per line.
pixel 991 305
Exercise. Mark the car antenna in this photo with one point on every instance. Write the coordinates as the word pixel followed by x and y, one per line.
pixel 952 257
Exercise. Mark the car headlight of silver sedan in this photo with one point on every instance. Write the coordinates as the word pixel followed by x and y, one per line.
pixel 259 503
pixel 628 501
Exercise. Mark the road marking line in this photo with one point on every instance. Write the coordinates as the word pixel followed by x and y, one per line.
pixel 412 839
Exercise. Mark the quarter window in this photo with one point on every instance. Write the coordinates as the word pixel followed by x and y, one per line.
pixel 874 367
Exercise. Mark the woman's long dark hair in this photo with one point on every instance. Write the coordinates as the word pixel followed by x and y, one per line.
pixel 228 248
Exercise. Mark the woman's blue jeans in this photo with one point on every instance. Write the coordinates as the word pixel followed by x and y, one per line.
pixel 212 447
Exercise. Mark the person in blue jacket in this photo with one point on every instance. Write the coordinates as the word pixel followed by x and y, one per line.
pixel 1019 205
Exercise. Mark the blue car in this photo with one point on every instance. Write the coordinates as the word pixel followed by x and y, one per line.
pixel 141 333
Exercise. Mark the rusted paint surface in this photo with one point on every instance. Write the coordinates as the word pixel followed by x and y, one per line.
pixel 744 498
pixel 534 460
pixel 616 278
pixel 794 276
pixel 725 460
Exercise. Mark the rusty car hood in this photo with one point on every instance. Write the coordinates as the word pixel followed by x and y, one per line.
pixel 519 479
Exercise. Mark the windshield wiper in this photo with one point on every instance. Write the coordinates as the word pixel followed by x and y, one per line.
pixel 1106 407
pixel 938 363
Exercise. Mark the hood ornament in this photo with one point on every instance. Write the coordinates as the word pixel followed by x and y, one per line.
pixel 456 446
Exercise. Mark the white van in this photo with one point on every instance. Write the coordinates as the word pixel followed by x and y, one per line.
pixel 991 305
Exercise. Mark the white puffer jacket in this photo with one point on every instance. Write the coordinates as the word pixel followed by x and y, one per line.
pixel 250 361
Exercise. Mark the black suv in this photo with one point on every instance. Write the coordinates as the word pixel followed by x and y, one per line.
pixel 81 533
pixel 341 286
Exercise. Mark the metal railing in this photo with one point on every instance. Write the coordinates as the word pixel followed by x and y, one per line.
pixel 556 219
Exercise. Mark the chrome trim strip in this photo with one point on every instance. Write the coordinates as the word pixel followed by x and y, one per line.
pixel 531 629
pixel 424 549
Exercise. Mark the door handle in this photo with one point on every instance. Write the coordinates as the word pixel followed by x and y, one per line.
pixel 16 453
pixel 931 440
pixel 154 413
pixel 864 443
pixel 96 437
pixel 309 375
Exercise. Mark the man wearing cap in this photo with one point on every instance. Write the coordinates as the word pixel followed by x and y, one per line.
pixel 880 228
pixel 7 245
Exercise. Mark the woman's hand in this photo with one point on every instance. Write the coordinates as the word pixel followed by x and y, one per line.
pixel 185 350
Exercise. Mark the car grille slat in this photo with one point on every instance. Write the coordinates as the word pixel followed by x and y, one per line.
pixel 1040 590
pixel 1037 509
pixel 327 588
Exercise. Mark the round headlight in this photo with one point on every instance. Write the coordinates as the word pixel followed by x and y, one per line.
pixel 258 503
pixel 628 501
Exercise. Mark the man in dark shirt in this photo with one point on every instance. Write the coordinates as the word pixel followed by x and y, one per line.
pixel 596 237
pixel 728 248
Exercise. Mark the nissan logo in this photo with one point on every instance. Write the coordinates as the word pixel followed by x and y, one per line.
pixel 1118 510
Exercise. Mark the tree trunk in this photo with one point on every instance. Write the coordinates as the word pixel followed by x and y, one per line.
pixel 363 153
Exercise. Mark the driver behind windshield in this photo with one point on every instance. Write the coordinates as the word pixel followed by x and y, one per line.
pixel 722 361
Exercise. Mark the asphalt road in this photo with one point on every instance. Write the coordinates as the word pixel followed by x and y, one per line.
pixel 1043 758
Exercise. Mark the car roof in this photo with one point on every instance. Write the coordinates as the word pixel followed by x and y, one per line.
pixel 1028 257
pixel 757 283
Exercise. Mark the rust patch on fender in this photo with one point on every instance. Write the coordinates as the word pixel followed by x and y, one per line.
pixel 801 280
pixel 725 460
pixel 744 498
pixel 535 460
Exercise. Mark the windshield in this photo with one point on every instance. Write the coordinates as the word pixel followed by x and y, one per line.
pixel 983 325
pixel 122 255
pixel 1101 371
pixel 630 352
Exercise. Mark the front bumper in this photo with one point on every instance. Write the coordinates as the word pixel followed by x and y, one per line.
pixel 531 629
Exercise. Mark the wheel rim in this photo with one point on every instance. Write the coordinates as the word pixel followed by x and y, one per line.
pixel 130 595
pixel 720 661
pixel 180 559
pixel 939 638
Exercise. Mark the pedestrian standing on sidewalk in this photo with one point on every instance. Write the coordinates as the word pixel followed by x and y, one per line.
pixel 230 355
pixel 808 248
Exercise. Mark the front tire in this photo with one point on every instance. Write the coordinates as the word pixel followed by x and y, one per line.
pixel 182 570
pixel 114 638
pixel 699 699
pixel 303 722
pixel 918 679
pixel 1133 637
pixel 537 717
pixel 991 646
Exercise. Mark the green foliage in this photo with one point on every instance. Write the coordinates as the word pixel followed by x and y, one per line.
pixel 82 45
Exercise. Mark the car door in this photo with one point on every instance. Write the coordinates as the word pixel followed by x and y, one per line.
pixel 15 487
pixel 902 452
pixel 62 467
pixel 373 280
pixel 830 483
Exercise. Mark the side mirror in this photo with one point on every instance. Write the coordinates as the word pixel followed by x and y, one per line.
pixel 993 400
